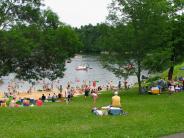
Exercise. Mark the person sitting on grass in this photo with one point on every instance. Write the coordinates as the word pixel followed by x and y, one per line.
pixel 116 100
pixel 59 96
pixel 54 97
pixel 43 97
pixel 171 89
pixel 3 103
pixel 49 98
pixel 116 108
pixel 177 88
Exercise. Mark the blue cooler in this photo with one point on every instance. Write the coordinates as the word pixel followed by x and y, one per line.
pixel 115 111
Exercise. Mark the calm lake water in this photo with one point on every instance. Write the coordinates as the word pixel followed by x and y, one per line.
pixel 96 73
pixel 75 77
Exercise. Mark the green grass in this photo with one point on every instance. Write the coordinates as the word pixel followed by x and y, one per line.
pixel 148 116
pixel 177 71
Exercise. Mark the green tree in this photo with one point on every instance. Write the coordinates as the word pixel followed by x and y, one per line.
pixel 146 24
pixel 49 20
pixel 34 49
pixel 14 47
pixel 47 59
pixel 114 44
pixel 171 54
pixel 91 36
pixel 19 11
pixel 176 39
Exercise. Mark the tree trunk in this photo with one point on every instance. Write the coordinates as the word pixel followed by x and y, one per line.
pixel 171 70
pixel 170 73
pixel 139 76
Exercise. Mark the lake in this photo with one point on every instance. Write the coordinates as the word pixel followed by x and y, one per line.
pixel 96 72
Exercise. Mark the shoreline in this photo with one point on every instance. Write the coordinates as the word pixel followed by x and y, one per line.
pixel 36 94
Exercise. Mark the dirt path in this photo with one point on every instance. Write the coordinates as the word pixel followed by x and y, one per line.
pixel 179 135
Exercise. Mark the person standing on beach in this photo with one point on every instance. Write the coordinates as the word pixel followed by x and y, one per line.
pixel 86 91
pixel 9 88
pixel 60 88
pixel 43 97
pixel 94 84
pixel 125 84
pixel 68 94
pixel 119 85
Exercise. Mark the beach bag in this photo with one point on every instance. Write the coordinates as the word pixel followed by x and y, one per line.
pixel 115 111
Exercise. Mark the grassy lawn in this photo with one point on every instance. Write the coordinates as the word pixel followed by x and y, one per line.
pixel 148 116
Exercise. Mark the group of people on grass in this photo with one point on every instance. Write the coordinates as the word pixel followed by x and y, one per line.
pixel 67 96
pixel 114 108
pixel 176 86
pixel 69 92
pixel 161 85
pixel 87 91
pixel 51 98
pixel 13 101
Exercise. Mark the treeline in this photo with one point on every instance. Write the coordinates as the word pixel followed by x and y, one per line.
pixel 34 44
pixel 141 34
pixel 91 37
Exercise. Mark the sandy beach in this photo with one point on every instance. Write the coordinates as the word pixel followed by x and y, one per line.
pixel 38 94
